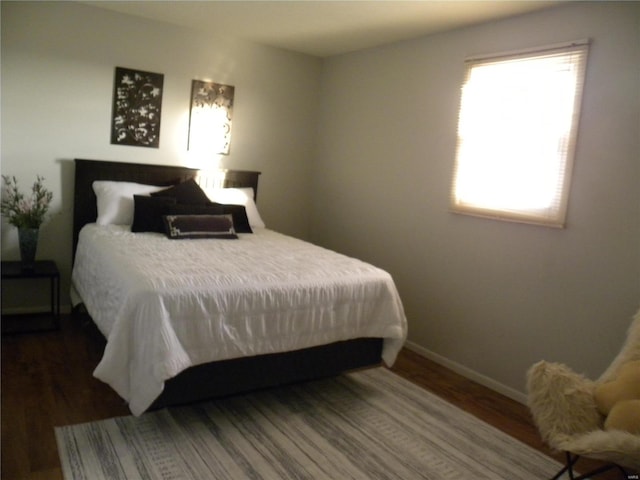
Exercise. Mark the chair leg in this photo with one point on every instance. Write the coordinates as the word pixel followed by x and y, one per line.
pixel 568 468
pixel 571 460
pixel 605 468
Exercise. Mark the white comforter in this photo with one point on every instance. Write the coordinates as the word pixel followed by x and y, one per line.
pixel 165 305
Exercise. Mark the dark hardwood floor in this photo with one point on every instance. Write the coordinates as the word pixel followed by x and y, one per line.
pixel 47 381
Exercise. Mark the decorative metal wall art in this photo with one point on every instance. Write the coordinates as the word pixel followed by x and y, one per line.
pixel 210 118
pixel 137 104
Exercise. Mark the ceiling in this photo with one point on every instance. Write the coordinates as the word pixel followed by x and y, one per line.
pixel 324 28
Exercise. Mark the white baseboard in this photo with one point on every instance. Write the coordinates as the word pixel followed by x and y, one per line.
pixel 468 373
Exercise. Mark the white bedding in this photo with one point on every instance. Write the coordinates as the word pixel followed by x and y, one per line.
pixel 165 305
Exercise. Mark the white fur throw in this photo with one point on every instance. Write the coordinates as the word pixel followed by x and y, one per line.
pixel 615 446
pixel 561 402
pixel 564 410
pixel 630 351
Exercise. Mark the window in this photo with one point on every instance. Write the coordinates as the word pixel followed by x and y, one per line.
pixel 516 134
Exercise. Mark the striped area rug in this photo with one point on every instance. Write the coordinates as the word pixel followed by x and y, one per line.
pixel 369 424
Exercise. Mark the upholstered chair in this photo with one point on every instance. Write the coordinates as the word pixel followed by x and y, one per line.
pixel 564 409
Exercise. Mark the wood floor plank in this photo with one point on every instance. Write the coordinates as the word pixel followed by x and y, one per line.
pixel 47 381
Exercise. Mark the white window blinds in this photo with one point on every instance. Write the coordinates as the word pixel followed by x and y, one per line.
pixel 516 134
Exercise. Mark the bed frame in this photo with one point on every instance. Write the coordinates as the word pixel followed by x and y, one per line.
pixel 224 377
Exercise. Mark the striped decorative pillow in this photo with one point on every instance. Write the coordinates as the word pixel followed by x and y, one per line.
pixel 199 226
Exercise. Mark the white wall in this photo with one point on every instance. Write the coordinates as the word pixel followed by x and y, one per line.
pixel 488 297
pixel 58 62
pixel 481 295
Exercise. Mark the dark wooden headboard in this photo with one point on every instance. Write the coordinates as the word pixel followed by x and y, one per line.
pixel 87 171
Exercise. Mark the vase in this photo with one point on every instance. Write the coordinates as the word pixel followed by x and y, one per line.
pixel 28 238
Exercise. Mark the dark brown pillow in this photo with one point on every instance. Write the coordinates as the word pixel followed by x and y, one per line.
pixel 199 226
pixel 240 218
pixel 188 192
pixel 148 212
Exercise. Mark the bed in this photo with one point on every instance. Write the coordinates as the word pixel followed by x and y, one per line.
pixel 190 319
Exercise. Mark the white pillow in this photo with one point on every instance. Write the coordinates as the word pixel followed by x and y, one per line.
pixel 115 200
pixel 238 196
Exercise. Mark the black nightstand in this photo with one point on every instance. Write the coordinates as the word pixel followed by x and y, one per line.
pixel 40 269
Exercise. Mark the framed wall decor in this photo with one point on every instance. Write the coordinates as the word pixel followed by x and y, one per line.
pixel 210 117
pixel 137 105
